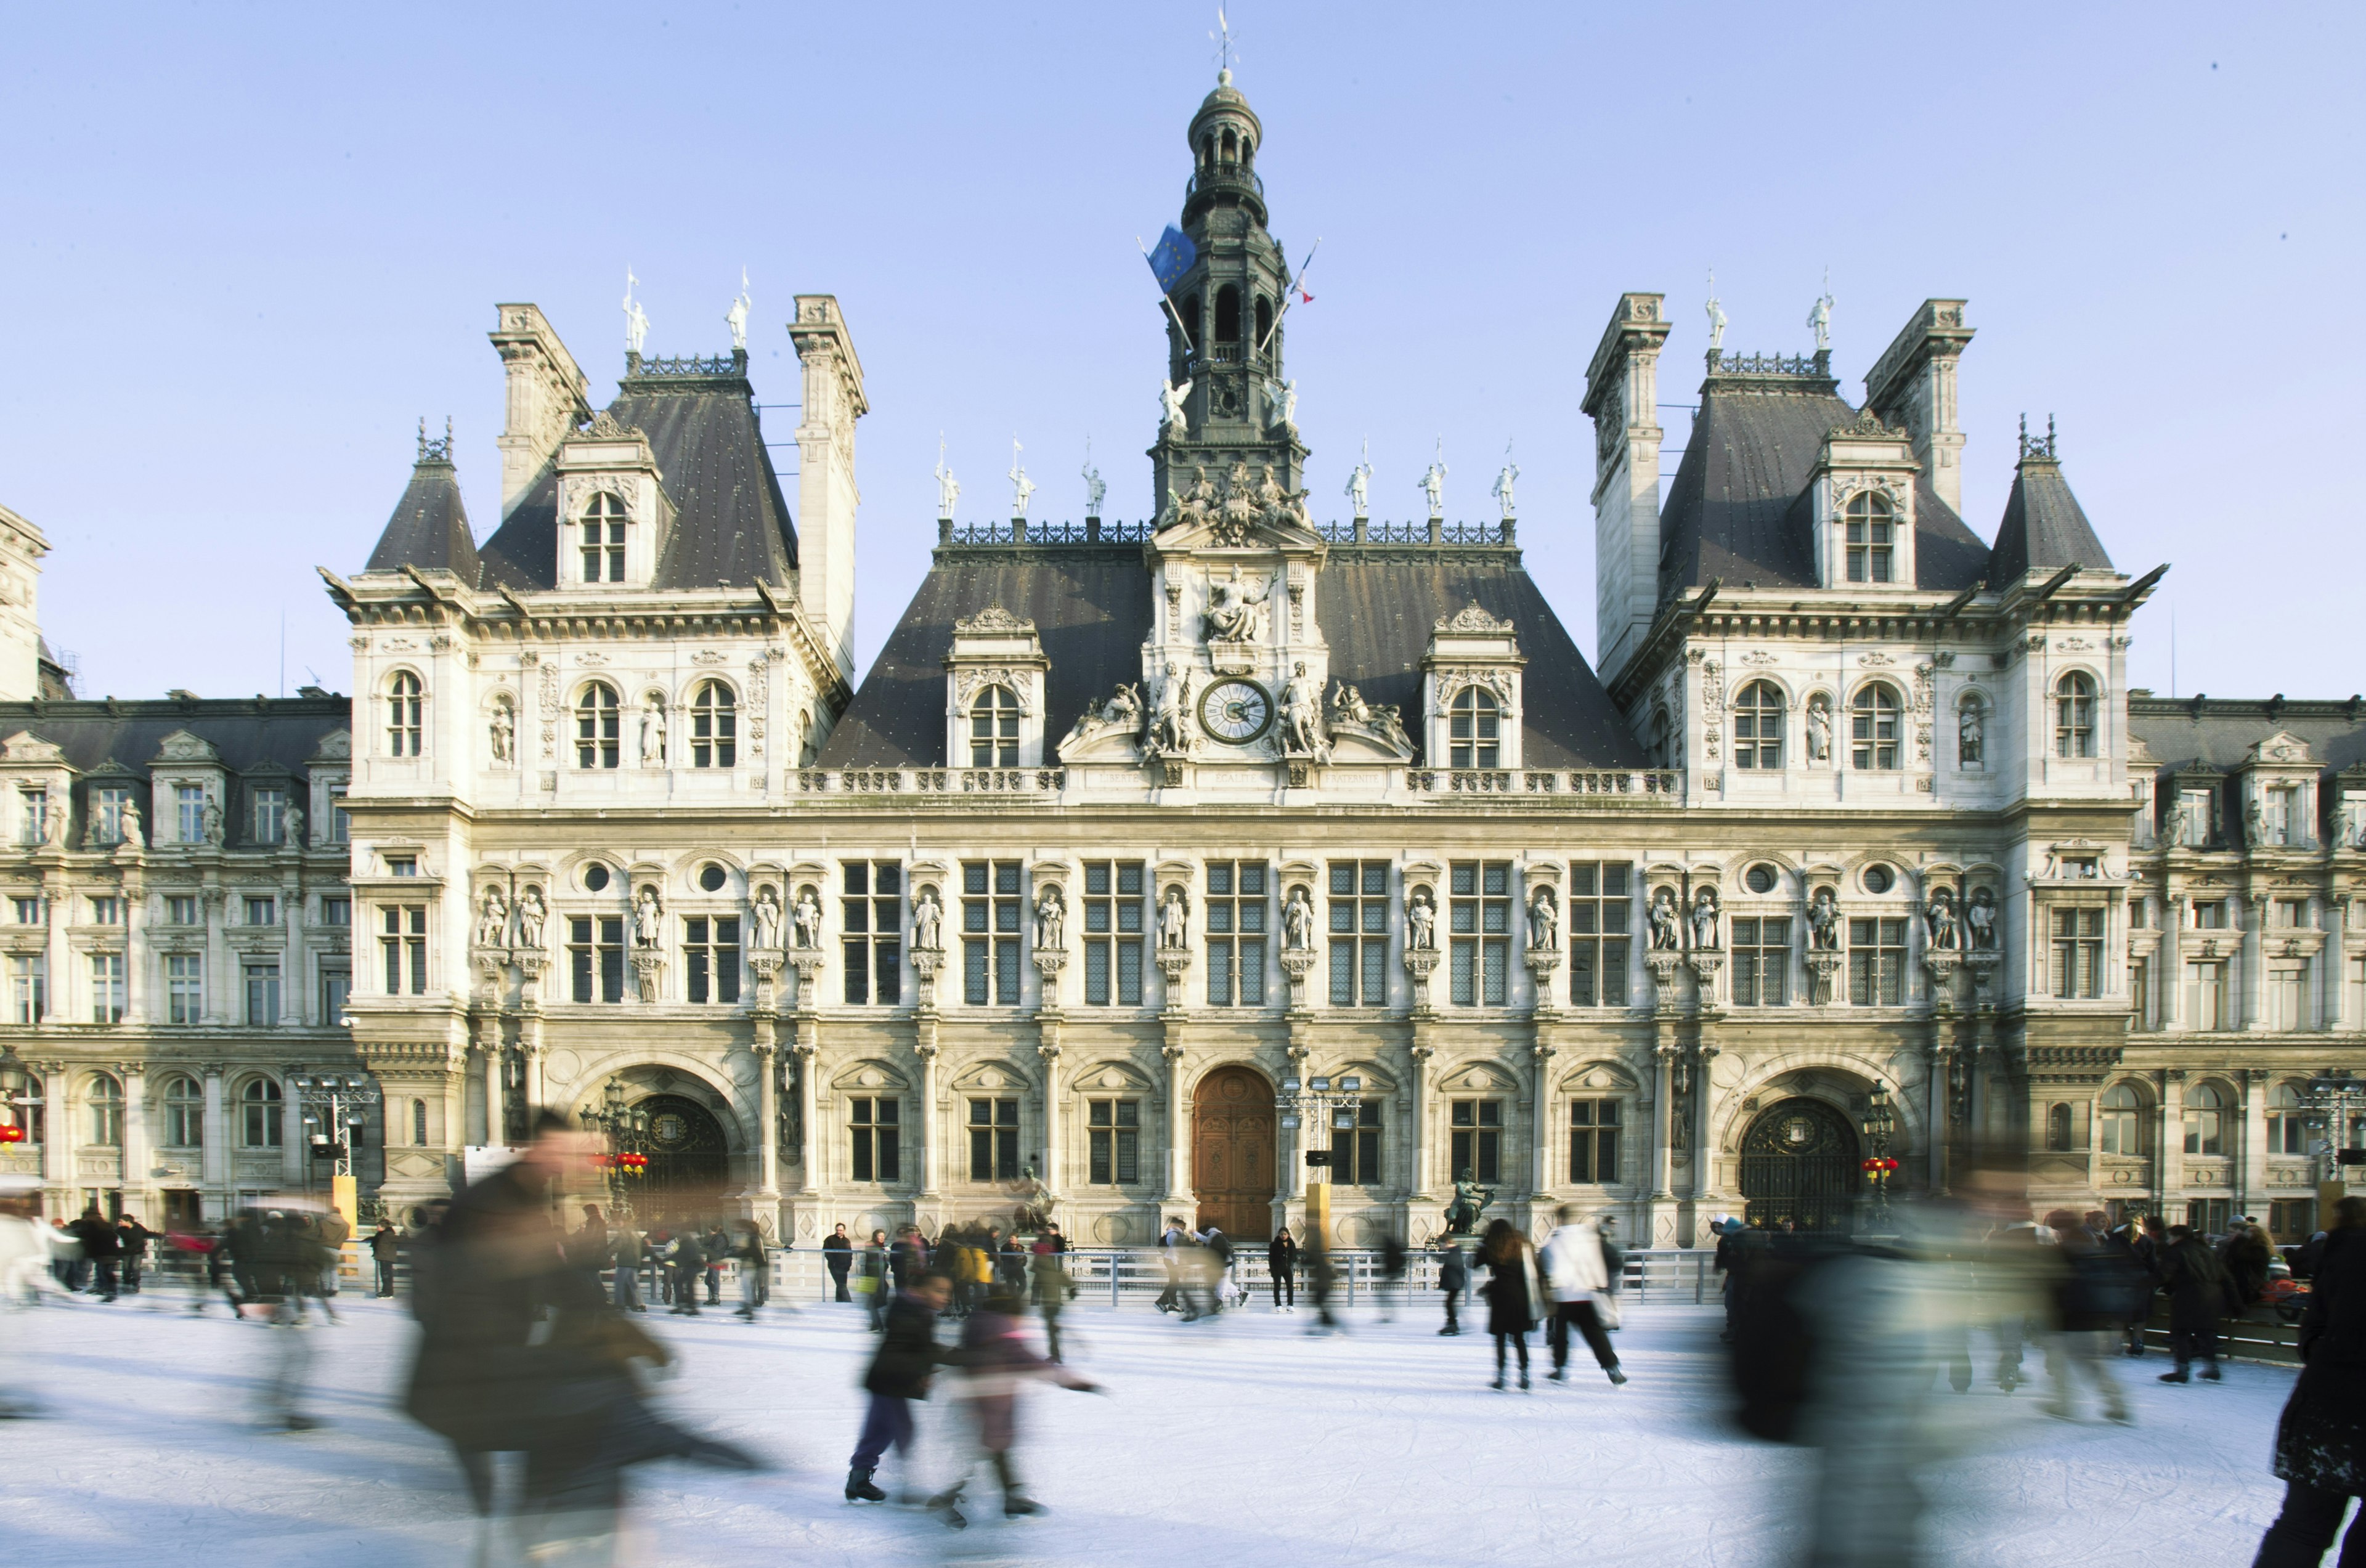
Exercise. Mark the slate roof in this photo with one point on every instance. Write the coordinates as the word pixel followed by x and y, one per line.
pixel 1740 508
pixel 2219 731
pixel 430 525
pixel 2044 528
pixel 1091 607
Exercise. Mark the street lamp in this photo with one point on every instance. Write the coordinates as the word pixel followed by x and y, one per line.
pixel 626 1131
pixel 1318 1099
pixel 2336 1101
pixel 332 1105
pixel 16 1099
pixel 1880 1121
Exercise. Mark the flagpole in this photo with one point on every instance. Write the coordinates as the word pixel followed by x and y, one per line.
pixel 1162 300
pixel 1289 295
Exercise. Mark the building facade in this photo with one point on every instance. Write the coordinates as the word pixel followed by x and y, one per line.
pixel 1852 842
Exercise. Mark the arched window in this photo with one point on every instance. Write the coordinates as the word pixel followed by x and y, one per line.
pixel 2120 1120
pixel 419 1124
pixel 2287 1128
pixel 1873 732
pixel 1657 738
pixel 2205 1119
pixel 262 1115
pixel 1758 726
pixel 184 1113
pixel 714 726
pixel 603 539
pixel 1192 326
pixel 1474 729
pixel 1264 317
pixel 2074 715
pixel 1872 522
pixel 1228 314
pixel 104 1097
pixel 597 726
pixel 404 705
pixel 2057 1127
pixel 1232 146
pixel 994 728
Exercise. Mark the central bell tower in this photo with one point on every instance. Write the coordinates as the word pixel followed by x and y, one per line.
pixel 1230 304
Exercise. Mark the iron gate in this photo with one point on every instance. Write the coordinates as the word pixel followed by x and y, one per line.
pixel 1800 1163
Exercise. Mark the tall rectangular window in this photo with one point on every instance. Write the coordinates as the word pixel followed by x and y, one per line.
pixel 2289 914
pixel 710 951
pixel 189 813
pixel 1479 916
pixel 1877 962
pixel 185 987
pixel 1601 906
pixel 29 911
pixel 2078 952
pixel 990 912
pixel 1236 933
pixel 1592 1141
pixel 106 911
pixel 108 825
pixel 263 911
pixel 263 995
pixel 1477 1139
pixel 181 910
pixel 1355 1151
pixel 106 987
pixel 2287 993
pixel 270 815
pixel 1360 933
pixel 1113 931
pixel 336 985
pixel 2140 994
pixel 871 912
pixel 2205 995
pixel 336 911
pixel 28 988
pixel 595 957
pixel 2211 915
pixel 402 948
pixel 33 819
pixel 1114 1142
pixel 993 1140
pixel 1762 962
pixel 341 821
pixel 876 1139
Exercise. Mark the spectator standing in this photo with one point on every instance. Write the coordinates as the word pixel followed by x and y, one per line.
pixel 386 1248
pixel 2197 1286
pixel 1453 1282
pixel 2321 1439
pixel 101 1247
pixel 837 1251
pixel 1281 1270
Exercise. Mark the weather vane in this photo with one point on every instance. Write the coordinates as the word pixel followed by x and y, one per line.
pixel 1223 39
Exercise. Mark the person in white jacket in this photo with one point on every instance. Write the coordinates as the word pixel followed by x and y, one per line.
pixel 1576 1275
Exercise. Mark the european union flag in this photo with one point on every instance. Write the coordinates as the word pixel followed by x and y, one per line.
pixel 1172 259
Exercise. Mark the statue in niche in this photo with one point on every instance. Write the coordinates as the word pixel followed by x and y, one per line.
pixel 653 733
pixel 210 821
pixel 928 922
pixel 1971 736
pixel 530 913
pixel 1940 928
pixel 1174 922
pixel 129 829
pixel 1819 728
pixel 502 735
pixel 494 919
pixel 1302 717
pixel 1543 921
pixel 1051 921
pixel 2349 829
pixel 1237 610
pixel 1169 734
pixel 1421 922
pixel 648 920
pixel 765 916
pixel 1824 921
pixel 1667 926
pixel 1704 939
pixel 1298 920
pixel 291 831
pixel 806 919
pixel 1981 916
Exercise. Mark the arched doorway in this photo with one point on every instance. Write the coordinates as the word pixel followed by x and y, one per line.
pixel 1233 1151
pixel 1800 1163
pixel 689 1162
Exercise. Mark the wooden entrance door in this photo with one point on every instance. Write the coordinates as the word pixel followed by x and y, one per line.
pixel 1233 1153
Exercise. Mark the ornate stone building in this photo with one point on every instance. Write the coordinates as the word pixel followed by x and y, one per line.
pixel 1131 826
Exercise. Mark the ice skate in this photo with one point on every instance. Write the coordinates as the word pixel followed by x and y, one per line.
pixel 859 1488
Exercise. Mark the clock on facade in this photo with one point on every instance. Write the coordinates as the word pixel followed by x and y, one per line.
pixel 1235 712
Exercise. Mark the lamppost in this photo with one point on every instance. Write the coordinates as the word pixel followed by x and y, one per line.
pixel 1880 1121
pixel 626 1131
pixel 2336 1101
pixel 333 1105
pixel 1319 1099
pixel 16 1102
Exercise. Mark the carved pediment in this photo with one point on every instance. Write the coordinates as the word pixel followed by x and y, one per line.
pixel 2283 746
pixel 1473 620
pixel 26 747
pixel 337 746
pixel 1231 509
pixel 182 747
pixel 993 619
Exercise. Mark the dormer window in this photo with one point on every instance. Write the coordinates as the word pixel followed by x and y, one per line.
pixel 994 728
pixel 603 539
pixel 1872 536
pixel 1474 729
pixel 714 726
pixel 2074 715
pixel 598 727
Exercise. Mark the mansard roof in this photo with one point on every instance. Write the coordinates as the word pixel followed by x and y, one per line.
pixel 429 526
pixel 731 524
pixel 2044 528
pixel 1091 604
pixel 247 733
pixel 1741 509
pixel 2221 731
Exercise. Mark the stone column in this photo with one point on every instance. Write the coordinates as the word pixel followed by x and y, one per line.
pixel 1178 1149
pixel 1540 1142
pixel 222 964
pixel 135 1128
pixel 925 1124
pixel 57 1152
pixel 489 1048
pixel 1663 1053
pixel 2172 964
pixel 1054 1171
pixel 1943 1059
pixel 2250 1166
pixel 1417 1076
pixel 2332 965
pixel 2168 1174
pixel 214 1165
pixel 767 1119
pixel 2255 962
pixel 809 1129
pixel 295 1151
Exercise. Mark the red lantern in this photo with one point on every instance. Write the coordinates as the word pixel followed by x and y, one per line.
pixel 12 1133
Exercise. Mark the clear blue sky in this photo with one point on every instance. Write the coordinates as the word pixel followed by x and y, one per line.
pixel 246 248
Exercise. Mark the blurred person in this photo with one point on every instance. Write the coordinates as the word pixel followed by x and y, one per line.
pixel 907 1359
pixel 1215 1264
pixel 2198 1291
pixel 1578 1277
pixel 331 1230
pixel 25 1275
pixel 993 1363
pixel 838 1252
pixel 1453 1280
pixel 1393 1273
pixel 519 1353
pixel 2321 1437
pixel 688 1261
pixel 593 1235
pixel 1322 1279
pixel 2247 1253
pixel 131 1246
pixel 191 1255
pixel 905 1260
pixel 288 1257
pixel 751 1257
pixel 1170 1255
pixel 2127 1242
pixel 386 1250
pixel 1051 1287
pixel 1281 1270
pixel 101 1248
pixel 872 1274
pixel 714 1246
pixel 1737 1247
pixel 1514 1293
pixel 2012 1274
pixel 625 1255
pixel 2091 1294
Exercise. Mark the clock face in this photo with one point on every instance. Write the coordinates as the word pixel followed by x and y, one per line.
pixel 1235 712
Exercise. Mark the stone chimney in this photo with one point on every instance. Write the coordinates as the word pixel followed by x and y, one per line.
pixel 1913 385
pixel 1622 390
pixel 546 397
pixel 826 498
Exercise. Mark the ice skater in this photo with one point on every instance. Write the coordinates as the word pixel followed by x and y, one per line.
pixel 1453 1280
pixel 1281 1270
pixel 1579 1277
pixel 995 1361
pixel 1514 1293
pixel 908 1357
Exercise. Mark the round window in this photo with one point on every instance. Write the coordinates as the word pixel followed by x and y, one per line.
pixel 595 876
pixel 712 878
pixel 1878 879
pixel 1759 879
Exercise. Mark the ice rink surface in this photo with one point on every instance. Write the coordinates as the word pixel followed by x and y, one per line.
pixel 1240 1443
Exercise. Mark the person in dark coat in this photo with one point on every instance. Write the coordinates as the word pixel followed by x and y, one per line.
pixel 2196 1283
pixel 1514 1294
pixel 102 1246
pixel 714 1246
pixel 689 1262
pixel 386 1247
pixel 994 1360
pixel 1393 1273
pixel 1453 1280
pixel 2085 1283
pixel 132 1238
pixel 1282 1267
pixel 908 1357
pixel 2128 1244
pixel 2321 1439
pixel 837 1251
pixel 2247 1253
pixel 1051 1286
pixel 625 1253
